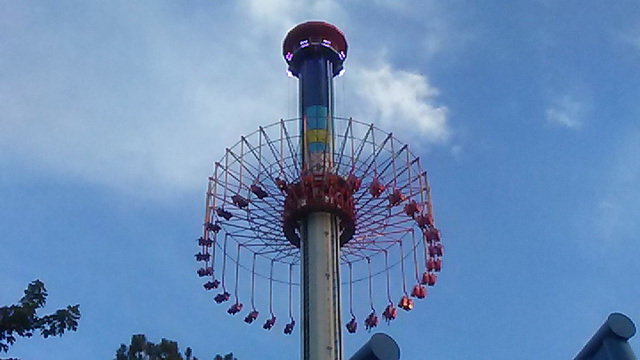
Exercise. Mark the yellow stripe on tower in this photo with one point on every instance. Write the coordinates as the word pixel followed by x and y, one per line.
pixel 318 136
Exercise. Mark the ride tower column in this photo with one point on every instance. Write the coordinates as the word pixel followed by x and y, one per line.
pixel 315 52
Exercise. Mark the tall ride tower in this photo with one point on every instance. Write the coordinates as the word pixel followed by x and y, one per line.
pixel 314 52
pixel 327 195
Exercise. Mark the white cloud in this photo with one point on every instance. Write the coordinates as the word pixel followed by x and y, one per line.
pixel 139 105
pixel 402 101
pixel 566 111
pixel 144 99
pixel 278 16
pixel 457 151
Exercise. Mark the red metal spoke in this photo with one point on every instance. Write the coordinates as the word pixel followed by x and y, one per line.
pixel 261 165
pixel 291 150
pixel 362 145
pixel 387 163
pixel 375 203
pixel 340 153
pixel 247 187
pixel 274 152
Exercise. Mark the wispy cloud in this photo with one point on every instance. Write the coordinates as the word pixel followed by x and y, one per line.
pixel 631 38
pixel 279 15
pixel 142 100
pixel 618 208
pixel 138 105
pixel 402 101
pixel 566 111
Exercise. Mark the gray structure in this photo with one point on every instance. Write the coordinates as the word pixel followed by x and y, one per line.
pixel 379 347
pixel 610 341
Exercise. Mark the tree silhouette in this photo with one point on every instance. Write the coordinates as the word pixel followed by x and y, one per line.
pixel 143 349
pixel 226 357
pixel 21 319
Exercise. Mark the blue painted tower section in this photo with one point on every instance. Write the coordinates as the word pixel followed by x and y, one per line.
pixel 315 52
pixel 316 110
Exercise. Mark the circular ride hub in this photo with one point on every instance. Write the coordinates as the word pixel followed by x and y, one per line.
pixel 323 195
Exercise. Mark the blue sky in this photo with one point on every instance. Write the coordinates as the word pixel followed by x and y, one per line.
pixel 525 114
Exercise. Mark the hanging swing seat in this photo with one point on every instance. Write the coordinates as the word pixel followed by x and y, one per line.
pixel 390 313
pixel 235 308
pixel 258 191
pixel 352 325
pixel 224 214
pixel 269 323
pixel 288 329
pixel 251 317
pixel 205 271
pixel 220 298
pixel 371 321
pixel 406 303
pixel 202 256
pixel 376 188
pixel 211 284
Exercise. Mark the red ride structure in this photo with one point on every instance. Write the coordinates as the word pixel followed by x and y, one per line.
pixel 295 204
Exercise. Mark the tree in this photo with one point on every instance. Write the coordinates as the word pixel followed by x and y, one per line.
pixel 226 357
pixel 140 348
pixel 143 349
pixel 21 319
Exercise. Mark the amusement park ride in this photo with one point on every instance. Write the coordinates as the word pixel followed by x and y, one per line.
pixel 297 203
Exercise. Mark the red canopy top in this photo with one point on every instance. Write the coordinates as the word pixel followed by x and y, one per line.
pixel 314 32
